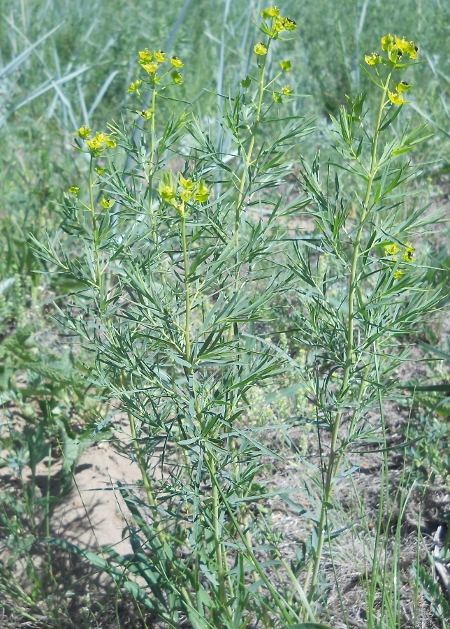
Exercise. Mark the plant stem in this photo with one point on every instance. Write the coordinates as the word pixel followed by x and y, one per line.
pixel 334 457
pixel 248 156
pixel 95 234
pixel 187 297
pixel 152 166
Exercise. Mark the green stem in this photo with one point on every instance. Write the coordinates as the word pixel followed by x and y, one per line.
pixel 95 234
pixel 334 457
pixel 248 157
pixel 152 166
pixel 216 527
pixel 187 297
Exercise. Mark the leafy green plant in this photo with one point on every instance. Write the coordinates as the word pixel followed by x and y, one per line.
pixel 374 292
pixel 177 260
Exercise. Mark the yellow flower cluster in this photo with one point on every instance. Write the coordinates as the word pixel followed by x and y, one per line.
pixel 395 48
pixel 151 62
pixel 186 191
pixel 392 249
pixel 279 23
pixel 98 142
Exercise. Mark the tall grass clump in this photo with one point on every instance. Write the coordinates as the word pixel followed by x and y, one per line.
pixel 179 261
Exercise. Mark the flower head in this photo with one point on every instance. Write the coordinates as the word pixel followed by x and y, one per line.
pixel 373 59
pixel 74 190
pixel 392 249
pixel 187 184
pixel 99 170
pixel 408 254
pixel 399 274
pixel 160 56
pixel 95 144
pixel 397 98
pixel 107 203
pixel 84 132
pixel 100 141
pixel 289 24
pixel 260 49
pixel 286 65
pixel 278 24
pixel 166 191
pixel 387 41
pixel 277 97
pixel 146 114
pixel 403 86
pixel 150 68
pixel 177 77
pixel 134 86
pixel 407 47
pixel 286 90
pixel 176 62
pixel 202 192
pixel 145 56
pixel 270 12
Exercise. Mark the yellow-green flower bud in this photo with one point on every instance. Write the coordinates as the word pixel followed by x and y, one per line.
pixel 99 170
pixel 74 190
pixel 286 90
pixel 202 192
pixel 134 86
pixel 177 77
pixel 260 49
pixel 186 195
pixel 166 192
pixel 146 114
pixel 187 184
pixel 145 56
pixel 286 65
pixel 107 203
pixel 84 132
pixel 403 86
pixel 277 97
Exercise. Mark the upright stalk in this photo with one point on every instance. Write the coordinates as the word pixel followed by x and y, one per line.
pixel 187 296
pixel 249 154
pixel 151 168
pixel 95 234
pixel 334 456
